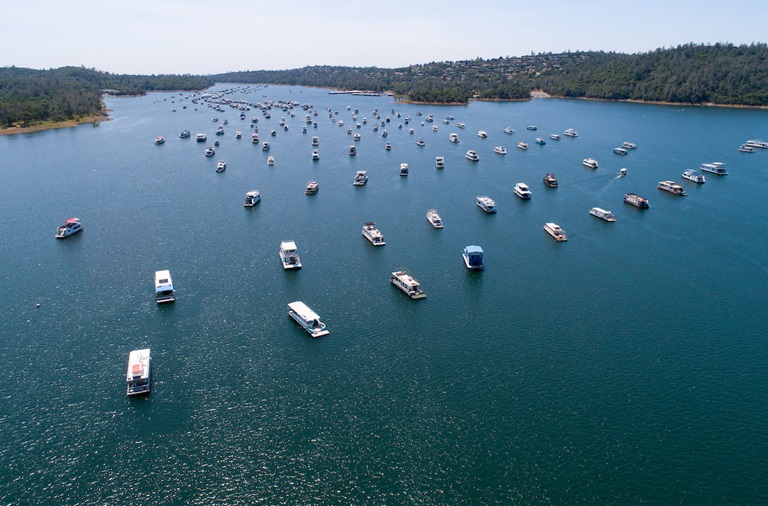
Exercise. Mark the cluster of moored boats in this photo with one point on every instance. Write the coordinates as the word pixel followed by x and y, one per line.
pixel 139 364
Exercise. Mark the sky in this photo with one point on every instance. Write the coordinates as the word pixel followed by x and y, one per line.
pixel 216 36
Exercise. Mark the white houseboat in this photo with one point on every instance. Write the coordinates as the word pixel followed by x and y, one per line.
pixel 473 258
pixel 509 131
pixel 602 214
pixel 403 169
pixel 69 227
pixel 482 134
pixel 361 177
pixel 312 188
pixel 555 231
pixel 439 162
pixel 407 284
pixel 252 198
pixel 522 191
pixel 590 163
pixel 289 255
pixel 554 137
pixel 454 138
pixel 164 287
pixel 550 180
pixel 434 218
pixel 500 150
pixel 715 168
pixel 307 319
pixel 139 376
pixel 472 156
pixel 201 137
pixel 486 204
pixel 694 176
pixel 571 133
pixel 373 234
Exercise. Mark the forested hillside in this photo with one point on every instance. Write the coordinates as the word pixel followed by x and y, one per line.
pixel 691 73
pixel 30 96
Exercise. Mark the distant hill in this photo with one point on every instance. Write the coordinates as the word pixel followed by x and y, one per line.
pixel 692 73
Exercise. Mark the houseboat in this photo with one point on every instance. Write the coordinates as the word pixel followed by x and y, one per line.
pixel 620 151
pixel 139 376
pixel 164 287
pixel 555 231
pixel 628 145
pixel 270 160
pixel 461 125
pixel 715 168
pixel 421 143
pixel 486 204
pixel 752 143
pixel 602 214
pixel 185 134
pixel 636 200
pixel 500 150
pixel 554 137
pixel 472 156
pixel 403 169
pixel 571 133
pixel 201 137
pixel 509 131
pixel 352 151
pixel 159 140
pixel 590 163
pixel 361 177
pixel 373 234
pixel 312 188
pixel 70 226
pixel 522 191
pixel 315 141
pixel 265 146
pixel 746 149
pixel 439 162
pixel 522 145
pixel 454 138
pixel 289 255
pixel 252 198
pixel 434 218
pixel 550 180
pixel 315 155
pixel 482 134
pixel 307 319
pixel 671 187
pixel 473 258
pixel 407 284
pixel 694 176
pixel 532 128
pixel 540 141
pixel 209 152
pixel 221 166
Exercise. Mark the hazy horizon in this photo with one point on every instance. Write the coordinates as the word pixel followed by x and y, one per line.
pixel 191 37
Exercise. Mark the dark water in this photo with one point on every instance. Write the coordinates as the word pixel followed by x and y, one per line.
pixel 625 366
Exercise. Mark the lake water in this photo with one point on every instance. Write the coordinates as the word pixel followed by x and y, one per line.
pixel 627 365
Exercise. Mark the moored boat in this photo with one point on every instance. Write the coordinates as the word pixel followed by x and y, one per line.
pixel 522 191
pixel 70 226
pixel 270 160
pixel 434 218
pixel 407 284
pixel 307 319
pixel 373 234
pixel 540 141
pixel 139 375
pixel 715 168
pixel 522 145
pixel 554 137
pixel 500 150
pixel 531 127
pixel 753 143
pixel 590 163
pixel 159 139
pixel 403 169
pixel 252 198
pixel 185 134
pixel 352 151
pixel 472 156
pixel 201 137
pixel 421 143
pixel 694 176
pixel 315 155
pixel 602 214
pixel 454 138
pixel 671 187
pixel 361 177
pixel 571 133
pixel 439 162
pixel 289 255
pixel 620 151
pixel 628 145
pixel 209 152
pixel 747 149
pixel 312 188
pixel 482 134
pixel 550 180
pixel 555 231
pixel 473 257
pixel 636 200
pixel 486 204
pixel 509 131
pixel 164 291
pixel 221 166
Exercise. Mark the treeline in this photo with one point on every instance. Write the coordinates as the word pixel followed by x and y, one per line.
pixel 30 96
pixel 690 73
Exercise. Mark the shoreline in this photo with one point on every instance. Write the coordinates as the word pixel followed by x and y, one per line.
pixel 94 119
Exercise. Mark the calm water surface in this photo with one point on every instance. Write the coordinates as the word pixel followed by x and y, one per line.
pixel 627 365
